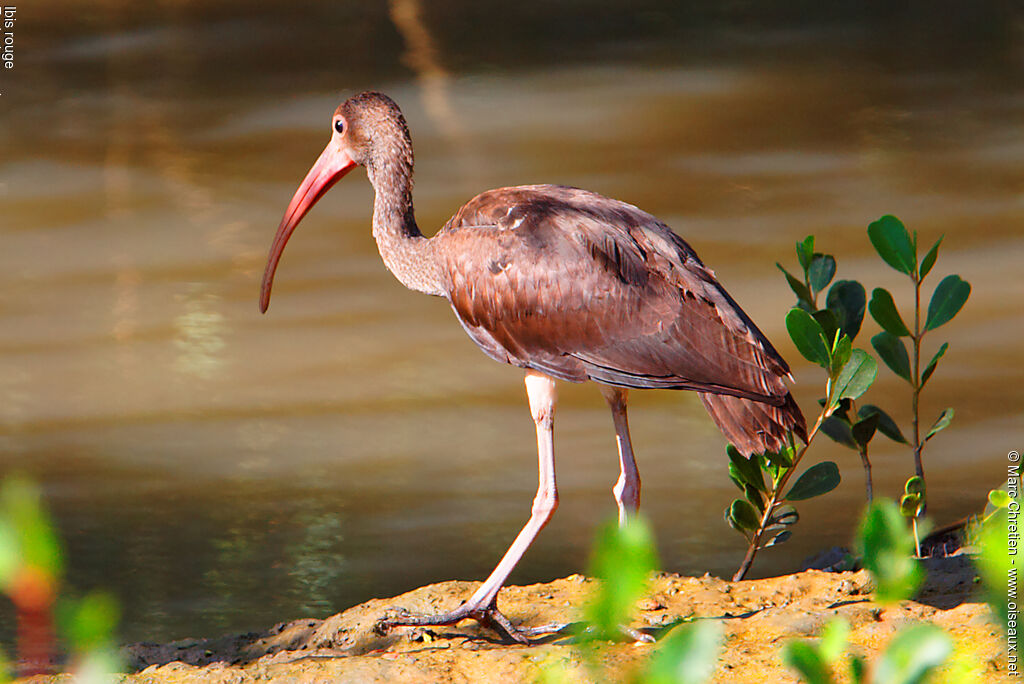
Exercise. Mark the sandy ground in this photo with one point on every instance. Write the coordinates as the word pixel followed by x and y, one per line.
pixel 759 616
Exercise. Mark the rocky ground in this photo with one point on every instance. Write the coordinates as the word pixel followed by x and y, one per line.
pixel 759 616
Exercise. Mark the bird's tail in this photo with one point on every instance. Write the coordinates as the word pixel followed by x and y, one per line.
pixel 754 427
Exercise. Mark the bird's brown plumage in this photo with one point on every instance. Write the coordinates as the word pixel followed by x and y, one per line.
pixel 579 286
pixel 571 285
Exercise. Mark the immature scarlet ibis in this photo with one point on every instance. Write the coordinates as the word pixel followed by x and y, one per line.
pixel 568 285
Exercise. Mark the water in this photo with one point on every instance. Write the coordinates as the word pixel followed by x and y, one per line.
pixel 221 470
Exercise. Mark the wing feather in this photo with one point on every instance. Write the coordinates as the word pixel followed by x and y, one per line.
pixel 584 287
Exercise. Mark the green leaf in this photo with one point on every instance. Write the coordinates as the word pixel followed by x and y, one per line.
pixel 747 469
pixel 10 558
pixel 777 538
pixel 743 516
pixel 892 242
pixel 858 668
pixel 893 352
pixel 856 376
pixel 821 271
pixel 839 431
pixel 912 655
pixel 784 515
pixel 864 429
pixel 999 498
pixel 754 497
pixel 828 322
pixel 947 300
pixel 940 424
pixel 930 368
pixel 687 655
pixel 91 621
pixel 886 546
pixel 929 258
pixel 819 479
pixel 782 458
pixel 883 310
pixel 801 657
pixel 806 334
pixel 735 477
pixel 805 251
pixel 995 562
pixel 846 299
pixel 803 294
pixel 910 505
pixel 36 542
pixel 914 485
pixel 834 635
pixel 886 425
pixel 623 558
pixel 841 353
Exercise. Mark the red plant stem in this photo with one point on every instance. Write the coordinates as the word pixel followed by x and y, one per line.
pixel 33 597
pixel 35 642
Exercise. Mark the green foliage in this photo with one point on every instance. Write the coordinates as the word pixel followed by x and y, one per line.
pixel 808 662
pixel 819 479
pixel 930 368
pixel 808 336
pixel 894 353
pixel 929 259
pixel 892 242
pixel 687 655
pixel 886 546
pixel 947 300
pixel 27 540
pixel 824 337
pixel 623 559
pixel 912 655
pixel 883 310
pixel 898 249
pixel 854 376
pixel 821 272
pixel 916 650
pixel 912 500
pixel 742 516
pixel 995 560
pixel 886 425
pixel 941 423
pixel 846 299
pixel 29 548
pixel 998 498
pixel 90 621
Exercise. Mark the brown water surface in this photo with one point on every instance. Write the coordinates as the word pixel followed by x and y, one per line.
pixel 221 470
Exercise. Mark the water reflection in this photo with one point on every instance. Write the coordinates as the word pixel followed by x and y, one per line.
pixel 224 471
pixel 199 339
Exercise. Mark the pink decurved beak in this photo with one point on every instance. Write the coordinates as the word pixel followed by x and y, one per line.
pixel 333 163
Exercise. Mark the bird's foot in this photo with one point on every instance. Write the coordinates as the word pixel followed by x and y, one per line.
pixel 488 616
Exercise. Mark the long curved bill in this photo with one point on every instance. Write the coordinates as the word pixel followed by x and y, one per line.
pixel 333 163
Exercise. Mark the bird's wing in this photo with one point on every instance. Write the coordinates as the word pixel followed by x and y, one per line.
pixel 579 286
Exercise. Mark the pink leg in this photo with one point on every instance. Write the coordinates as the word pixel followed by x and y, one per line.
pixel 482 605
pixel 627 488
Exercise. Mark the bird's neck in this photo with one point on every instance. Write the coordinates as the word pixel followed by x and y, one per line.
pixel 404 249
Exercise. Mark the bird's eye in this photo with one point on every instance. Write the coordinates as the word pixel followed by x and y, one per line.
pixel 339 125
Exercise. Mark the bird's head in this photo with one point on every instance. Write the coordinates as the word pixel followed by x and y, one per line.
pixel 368 130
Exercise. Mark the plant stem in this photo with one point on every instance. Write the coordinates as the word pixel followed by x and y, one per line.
pixel 918 334
pixel 773 500
pixel 867 472
pixel 917 542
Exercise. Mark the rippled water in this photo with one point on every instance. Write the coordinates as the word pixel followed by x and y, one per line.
pixel 221 470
